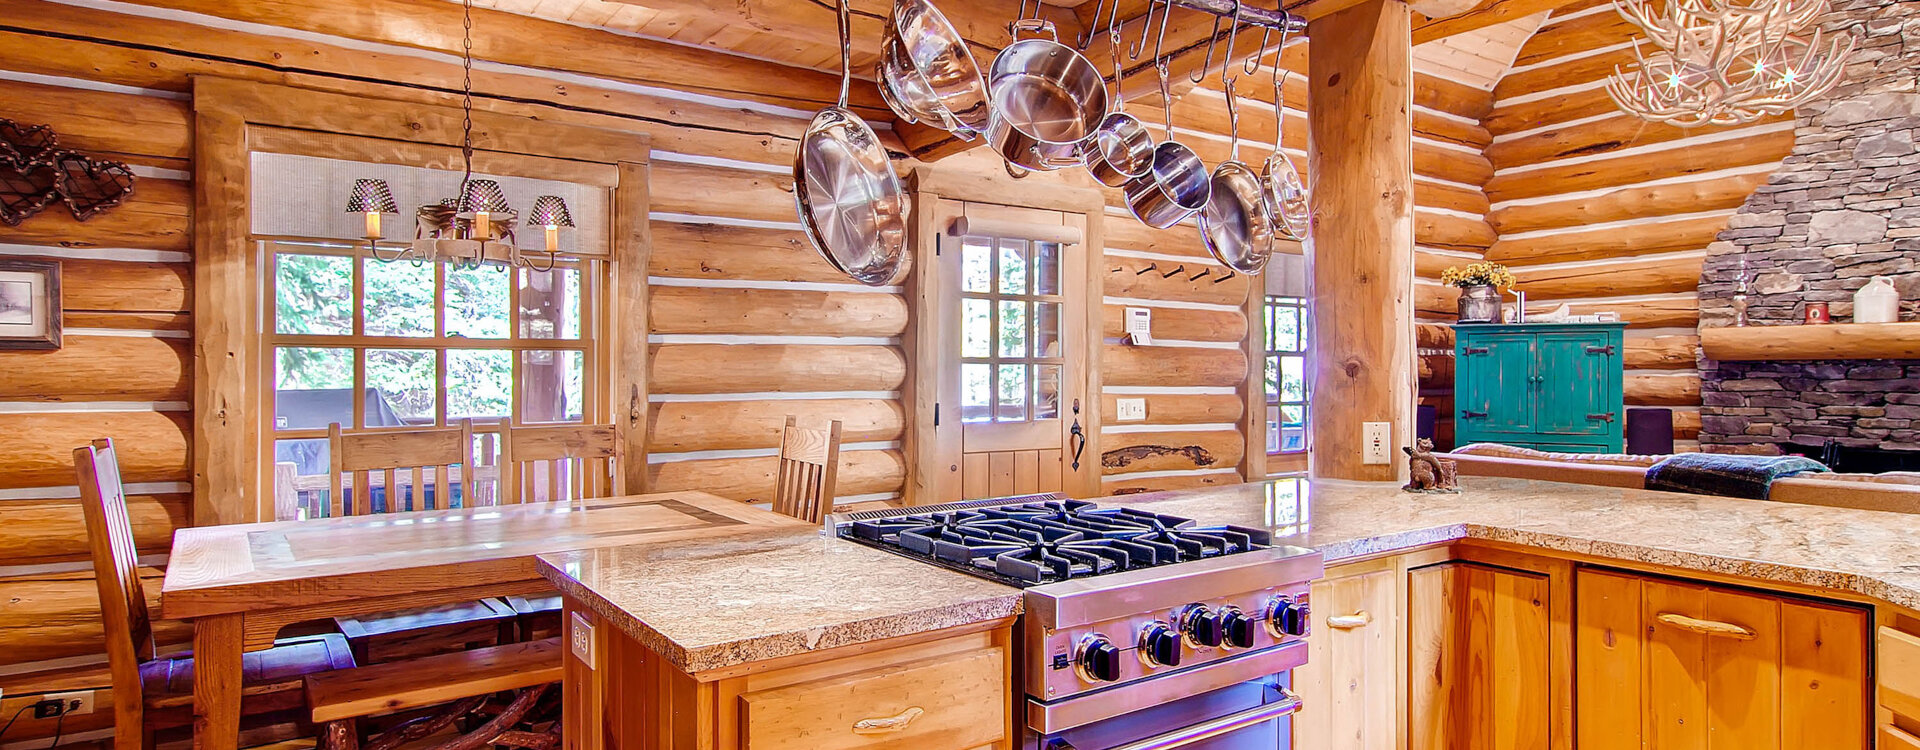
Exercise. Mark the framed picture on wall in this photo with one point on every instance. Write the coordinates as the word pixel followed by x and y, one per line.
pixel 29 304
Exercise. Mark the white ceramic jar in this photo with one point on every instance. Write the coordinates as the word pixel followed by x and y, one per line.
pixel 1877 302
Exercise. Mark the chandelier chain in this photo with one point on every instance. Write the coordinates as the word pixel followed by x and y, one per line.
pixel 466 90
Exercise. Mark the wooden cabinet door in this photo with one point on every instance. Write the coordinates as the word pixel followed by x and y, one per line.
pixel 1495 375
pixel 1572 388
pixel 1479 659
pixel 1684 666
pixel 1349 685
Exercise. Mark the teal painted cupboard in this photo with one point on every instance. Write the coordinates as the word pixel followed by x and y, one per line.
pixel 1547 386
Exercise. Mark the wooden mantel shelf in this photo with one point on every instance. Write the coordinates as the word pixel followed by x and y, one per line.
pixel 1835 341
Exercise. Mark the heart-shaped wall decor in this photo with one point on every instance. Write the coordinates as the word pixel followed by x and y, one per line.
pixel 22 146
pixel 24 193
pixel 90 186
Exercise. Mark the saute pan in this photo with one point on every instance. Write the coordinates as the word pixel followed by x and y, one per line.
pixel 851 203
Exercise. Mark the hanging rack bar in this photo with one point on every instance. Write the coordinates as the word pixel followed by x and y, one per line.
pixel 1249 15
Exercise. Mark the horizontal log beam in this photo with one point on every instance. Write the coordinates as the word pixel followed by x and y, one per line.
pixel 730 253
pixel 1117 486
pixel 1661 353
pixel 1626 278
pixel 1133 452
pixel 1661 390
pixel 1180 324
pixel 1479 17
pixel 154 217
pixel 1574 36
pixel 752 480
pixel 99 368
pixel 756 368
pixel 48 531
pixel 144 130
pixel 1609 242
pixel 775 311
pixel 1125 365
pixel 706 190
pixel 152 446
pixel 1131 278
pixel 1176 409
pixel 1628 203
pixel 1640 167
pixel 58 616
pixel 680 426
pixel 1596 137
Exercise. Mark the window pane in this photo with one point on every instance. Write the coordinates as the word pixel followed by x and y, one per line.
pixel 399 298
pixel 1293 378
pixel 477 303
pixel 550 303
pixel 1273 429
pixel 976 267
pixel 554 381
pixel 313 294
pixel 1273 378
pixel 1012 402
pixel 976 326
pixel 1046 392
pixel 1046 329
pixel 1013 267
pixel 1013 329
pixel 479 383
pixel 402 387
pixel 1286 329
pixel 1046 268
pixel 313 387
pixel 976 392
pixel 300 470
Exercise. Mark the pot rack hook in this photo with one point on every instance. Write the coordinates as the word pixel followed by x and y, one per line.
pixel 1233 121
pixel 1166 95
pixel 1213 39
pixel 1116 39
pixel 1279 93
pixel 1252 64
pixel 1134 52
pixel 1093 29
pixel 1233 38
pixel 1160 37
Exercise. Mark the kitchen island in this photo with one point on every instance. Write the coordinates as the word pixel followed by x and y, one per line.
pixel 1517 583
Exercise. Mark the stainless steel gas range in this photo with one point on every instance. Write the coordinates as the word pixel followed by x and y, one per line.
pixel 1142 631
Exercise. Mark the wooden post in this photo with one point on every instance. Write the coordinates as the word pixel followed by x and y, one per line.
pixel 1361 254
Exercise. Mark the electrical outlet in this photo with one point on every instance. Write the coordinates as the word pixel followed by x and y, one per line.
pixel 1131 409
pixel 580 638
pixel 1375 437
pixel 64 704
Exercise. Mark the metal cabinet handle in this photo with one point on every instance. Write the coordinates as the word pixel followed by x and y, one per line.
pixel 1469 414
pixel 1607 350
pixel 1474 350
pixel 888 724
pixel 1348 622
pixel 1706 627
pixel 1606 417
pixel 1184 736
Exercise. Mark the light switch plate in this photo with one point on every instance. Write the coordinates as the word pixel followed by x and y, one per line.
pixel 1375 438
pixel 580 638
pixel 1131 409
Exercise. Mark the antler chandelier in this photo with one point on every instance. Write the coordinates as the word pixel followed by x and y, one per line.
pixel 1725 62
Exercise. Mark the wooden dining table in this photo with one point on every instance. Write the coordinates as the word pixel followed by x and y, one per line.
pixel 240 584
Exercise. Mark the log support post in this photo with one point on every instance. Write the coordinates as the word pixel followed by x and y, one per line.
pixel 1361 252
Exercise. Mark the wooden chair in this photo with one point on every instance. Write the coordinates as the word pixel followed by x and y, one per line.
pixel 154 694
pixel 390 460
pixel 557 462
pixel 460 683
pixel 809 463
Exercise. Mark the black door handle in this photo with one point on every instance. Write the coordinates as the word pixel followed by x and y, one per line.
pixel 1079 439
pixel 1467 414
pixel 1607 350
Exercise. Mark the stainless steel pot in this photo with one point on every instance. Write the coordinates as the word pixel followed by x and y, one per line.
pixel 927 74
pixel 1122 148
pixel 1174 188
pixel 1236 225
pixel 1048 100
pixel 849 199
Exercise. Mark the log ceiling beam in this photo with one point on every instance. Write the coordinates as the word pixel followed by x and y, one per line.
pixel 1485 14
pixel 981 22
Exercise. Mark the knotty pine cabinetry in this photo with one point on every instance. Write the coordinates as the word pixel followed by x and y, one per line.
pixel 1898 671
pixel 936 691
pixel 1678 664
pixel 1478 658
pixel 1351 681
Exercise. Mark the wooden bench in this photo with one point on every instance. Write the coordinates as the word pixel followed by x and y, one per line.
pixel 396 686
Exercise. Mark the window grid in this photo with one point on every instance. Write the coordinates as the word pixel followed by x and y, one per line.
pixel 1287 335
pixel 988 299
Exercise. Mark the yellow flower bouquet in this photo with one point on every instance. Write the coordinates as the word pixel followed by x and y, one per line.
pixel 1485 273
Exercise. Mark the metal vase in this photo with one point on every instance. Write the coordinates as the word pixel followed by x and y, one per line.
pixel 1479 304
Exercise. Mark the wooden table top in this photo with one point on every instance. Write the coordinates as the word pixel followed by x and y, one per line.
pixel 222 569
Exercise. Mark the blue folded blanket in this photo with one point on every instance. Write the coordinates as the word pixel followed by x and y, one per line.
pixel 1726 475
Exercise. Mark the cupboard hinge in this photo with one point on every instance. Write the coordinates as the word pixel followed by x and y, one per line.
pixel 1474 350
pixel 1607 350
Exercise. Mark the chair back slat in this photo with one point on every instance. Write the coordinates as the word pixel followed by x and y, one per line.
pixel 116 570
pixel 567 462
pixel 809 464
pixel 397 462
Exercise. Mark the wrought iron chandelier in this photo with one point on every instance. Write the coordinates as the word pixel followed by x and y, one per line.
pixel 476 225
pixel 1726 62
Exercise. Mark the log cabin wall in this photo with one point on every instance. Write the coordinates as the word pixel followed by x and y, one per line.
pixel 1601 210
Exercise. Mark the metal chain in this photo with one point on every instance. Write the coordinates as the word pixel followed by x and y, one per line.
pixel 466 99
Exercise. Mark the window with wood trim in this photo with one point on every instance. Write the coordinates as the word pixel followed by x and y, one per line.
pixel 370 344
pixel 1286 373
pixel 1010 354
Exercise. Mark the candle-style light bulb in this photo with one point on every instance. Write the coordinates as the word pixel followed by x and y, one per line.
pixel 373 225
pixel 370 198
pixel 550 212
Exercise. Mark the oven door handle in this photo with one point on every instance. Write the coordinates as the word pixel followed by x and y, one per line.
pixel 1187 735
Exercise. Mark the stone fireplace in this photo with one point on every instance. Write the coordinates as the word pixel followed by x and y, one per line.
pixel 1842 208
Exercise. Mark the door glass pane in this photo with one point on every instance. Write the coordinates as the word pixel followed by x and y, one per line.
pixel 1046 268
pixel 477 303
pixel 1011 404
pixel 1013 267
pixel 1046 392
pixel 313 294
pixel 313 387
pixel 976 393
pixel 550 303
pixel 479 383
pixel 1046 329
pixel 1013 329
pixel 402 385
pixel 555 380
pixel 399 298
pixel 976 327
pixel 976 267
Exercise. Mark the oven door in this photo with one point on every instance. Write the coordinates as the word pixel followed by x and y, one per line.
pixel 1248 716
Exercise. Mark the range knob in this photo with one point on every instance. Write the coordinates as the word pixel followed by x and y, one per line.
pixel 1160 644
pixel 1286 617
pixel 1098 659
pixel 1238 626
pixel 1202 626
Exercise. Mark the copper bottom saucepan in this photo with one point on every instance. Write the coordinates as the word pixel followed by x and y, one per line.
pixel 1174 188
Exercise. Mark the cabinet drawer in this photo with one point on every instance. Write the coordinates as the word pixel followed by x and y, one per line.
pixel 1899 671
pixel 950 702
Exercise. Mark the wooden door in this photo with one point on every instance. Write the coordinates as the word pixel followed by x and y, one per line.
pixel 1572 373
pixel 1351 679
pixel 1496 377
pixel 1479 661
pixel 1684 666
pixel 1012 356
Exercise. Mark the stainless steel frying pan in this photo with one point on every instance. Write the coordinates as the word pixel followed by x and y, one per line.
pixel 927 74
pixel 1235 225
pixel 1286 194
pixel 850 201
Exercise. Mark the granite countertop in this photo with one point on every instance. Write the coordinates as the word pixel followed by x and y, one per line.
pixel 1872 553
pixel 715 603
